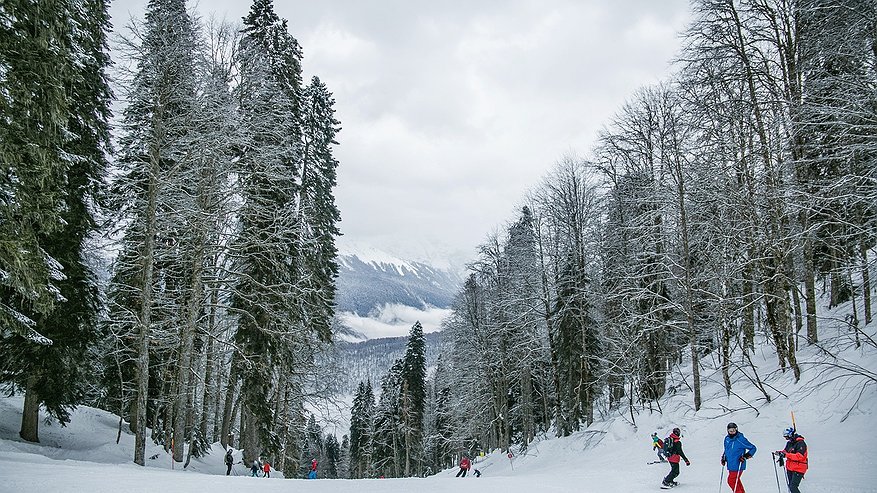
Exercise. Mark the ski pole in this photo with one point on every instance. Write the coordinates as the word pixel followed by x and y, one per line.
pixel 776 473
pixel 721 479
pixel 737 480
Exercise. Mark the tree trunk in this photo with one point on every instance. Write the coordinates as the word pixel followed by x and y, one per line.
pixel 207 395
pixel 190 428
pixel 30 414
pixel 218 402
pixel 810 287
pixel 146 294
pixel 726 355
pixel 250 440
pixel 227 417
pixel 799 320
pixel 836 284
pixel 688 302
pixel 866 281
pixel 187 340
pixel 748 306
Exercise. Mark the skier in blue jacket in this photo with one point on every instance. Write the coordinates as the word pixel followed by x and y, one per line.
pixel 737 451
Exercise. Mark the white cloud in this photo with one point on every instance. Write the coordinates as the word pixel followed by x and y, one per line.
pixel 395 320
pixel 452 110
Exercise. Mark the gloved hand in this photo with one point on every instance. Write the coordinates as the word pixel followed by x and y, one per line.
pixel 687 463
pixel 780 461
pixel 724 461
pixel 745 457
pixel 781 453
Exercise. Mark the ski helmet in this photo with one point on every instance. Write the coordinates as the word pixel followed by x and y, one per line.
pixel 677 432
pixel 732 425
pixel 788 432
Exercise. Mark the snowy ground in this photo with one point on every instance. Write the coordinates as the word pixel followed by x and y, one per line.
pixel 833 414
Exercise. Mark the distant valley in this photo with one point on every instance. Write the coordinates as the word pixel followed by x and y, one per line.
pixel 381 295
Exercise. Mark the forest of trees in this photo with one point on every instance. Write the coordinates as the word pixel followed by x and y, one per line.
pixel 714 210
pixel 182 273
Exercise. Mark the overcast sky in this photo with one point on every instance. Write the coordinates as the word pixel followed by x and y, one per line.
pixel 452 110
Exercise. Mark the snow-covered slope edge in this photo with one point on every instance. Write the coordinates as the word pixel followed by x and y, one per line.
pixel 834 406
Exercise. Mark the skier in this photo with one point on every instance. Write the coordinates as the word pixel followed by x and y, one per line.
pixel 229 460
pixel 465 464
pixel 266 468
pixel 254 468
pixel 313 473
pixel 675 454
pixel 795 458
pixel 737 451
pixel 658 444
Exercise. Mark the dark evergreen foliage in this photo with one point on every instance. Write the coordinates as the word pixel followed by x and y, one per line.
pixel 362 432
pixel 71 83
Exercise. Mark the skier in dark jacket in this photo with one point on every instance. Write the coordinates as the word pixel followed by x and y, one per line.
pixel 228 462
pixel 795 458
pixel 676 454
pixel 737 451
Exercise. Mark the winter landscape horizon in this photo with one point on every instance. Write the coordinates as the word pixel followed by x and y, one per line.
pixel 389 246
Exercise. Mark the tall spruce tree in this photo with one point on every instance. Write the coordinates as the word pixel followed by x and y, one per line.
pixel 413 399
pixel 35 66
pixel 313 448
pixel 56 376
pixel 361 431
pixel 267 296
pixel 387 441
pixel 332 453
pixel 318 213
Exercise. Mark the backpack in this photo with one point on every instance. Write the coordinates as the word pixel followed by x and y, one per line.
pixel 668 446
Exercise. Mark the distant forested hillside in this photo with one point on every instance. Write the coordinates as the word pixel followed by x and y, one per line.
pixel 370 360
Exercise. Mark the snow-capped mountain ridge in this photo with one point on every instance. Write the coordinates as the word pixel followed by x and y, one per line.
pixel 410 257
pixel 370 279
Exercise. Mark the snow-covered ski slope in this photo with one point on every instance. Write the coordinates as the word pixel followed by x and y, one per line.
pixel 834 409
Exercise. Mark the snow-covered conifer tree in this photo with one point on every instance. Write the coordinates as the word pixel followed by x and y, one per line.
pixel 51 69
pixel 413 400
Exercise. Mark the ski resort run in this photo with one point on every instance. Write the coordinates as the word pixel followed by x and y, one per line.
pixel 834 409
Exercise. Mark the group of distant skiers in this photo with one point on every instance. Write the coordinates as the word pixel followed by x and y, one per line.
pixel 264 466
pixel 737 450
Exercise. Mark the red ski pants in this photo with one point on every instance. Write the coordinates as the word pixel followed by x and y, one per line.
pixel 734 481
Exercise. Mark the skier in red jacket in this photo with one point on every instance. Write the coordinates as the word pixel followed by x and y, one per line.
pixel 676 454
pixel 795 458
pixel 465 464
